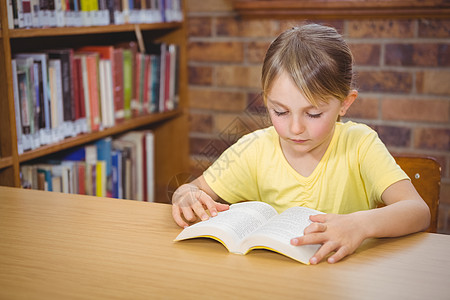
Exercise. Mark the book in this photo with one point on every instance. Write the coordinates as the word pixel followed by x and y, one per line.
pixel 80 111
pixel 130 50
pixel 116 174
pixel 42 58
pixel 17 109
pixel 107 79
pixel 66 57
pixel 118 84
pixel 84 91
pixel 92 60
pixel 137 138
pixel 127 82
pixel 25 100
pixel 57 106
pixel 129 167
pixel 257 225
pixel 149 165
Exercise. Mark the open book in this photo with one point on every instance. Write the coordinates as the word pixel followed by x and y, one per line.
pixel 257 225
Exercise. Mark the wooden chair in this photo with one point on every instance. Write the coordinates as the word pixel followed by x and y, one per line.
pixel 425 174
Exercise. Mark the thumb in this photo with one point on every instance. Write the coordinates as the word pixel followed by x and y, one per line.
pixel 222 206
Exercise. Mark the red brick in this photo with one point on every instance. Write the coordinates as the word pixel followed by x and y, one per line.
pixel 238 76
pixel 257 111
pixel 366 54
pixel 227 26
pixel 432 138
pixel 384 81
pixel 231 126
pixel 444 55
pixel 200 122
pixel 380 29
pixel 427 110
pixel 246 27
pixel 364 108
pixel 200 75
pixel 217 100
pixel 256 51
pixel 287 24
pixel 434 28
pixel 198 164
pixel 255 103
pixel 393 136
pixel 199 27
pixel 215 51
pixel 412 55
pixel 434 82
pixel 208 147
pixel 419 82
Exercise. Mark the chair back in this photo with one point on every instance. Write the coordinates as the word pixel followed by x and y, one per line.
pixel 425 174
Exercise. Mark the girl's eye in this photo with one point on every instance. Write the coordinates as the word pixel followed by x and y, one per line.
pixel 315 116
pixel 280 113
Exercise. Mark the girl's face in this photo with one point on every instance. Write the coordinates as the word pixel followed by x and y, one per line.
pixel 303 128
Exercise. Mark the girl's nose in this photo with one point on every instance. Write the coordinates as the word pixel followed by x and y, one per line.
pixel 297 126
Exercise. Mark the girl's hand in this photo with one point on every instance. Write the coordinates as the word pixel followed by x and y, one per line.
pixel 190 202
pixel 340 233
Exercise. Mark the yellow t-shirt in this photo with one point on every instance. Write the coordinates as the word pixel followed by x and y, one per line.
pixel 351 176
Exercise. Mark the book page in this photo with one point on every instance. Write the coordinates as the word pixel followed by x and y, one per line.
pixel 278 232
pixel 231 226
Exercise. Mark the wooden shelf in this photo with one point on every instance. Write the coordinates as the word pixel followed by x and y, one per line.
pixel 90 137
pixel 343 8
pixel 6 162
pixel 60 31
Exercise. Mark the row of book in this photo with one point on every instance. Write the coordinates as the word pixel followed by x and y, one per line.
pixel 60 13
pixel 121 168
pixel 61 93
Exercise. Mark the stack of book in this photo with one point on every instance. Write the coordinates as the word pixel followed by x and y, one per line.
pixel 60 13
pixel 61 93
pixel 120 168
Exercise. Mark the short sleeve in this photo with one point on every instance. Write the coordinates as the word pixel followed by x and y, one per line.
pixel 232 176
pixel 377 167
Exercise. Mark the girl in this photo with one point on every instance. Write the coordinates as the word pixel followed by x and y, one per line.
pixel 309 158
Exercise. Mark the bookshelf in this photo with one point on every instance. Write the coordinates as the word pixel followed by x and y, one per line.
pixel 170 128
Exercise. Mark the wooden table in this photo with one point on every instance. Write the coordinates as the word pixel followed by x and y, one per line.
pixel 60 246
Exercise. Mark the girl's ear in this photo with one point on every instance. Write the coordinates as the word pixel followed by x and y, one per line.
pixel 351 97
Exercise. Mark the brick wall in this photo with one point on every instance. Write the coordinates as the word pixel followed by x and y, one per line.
pixel 403 77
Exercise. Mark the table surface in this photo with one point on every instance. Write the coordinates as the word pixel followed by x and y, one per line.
pixel 62 246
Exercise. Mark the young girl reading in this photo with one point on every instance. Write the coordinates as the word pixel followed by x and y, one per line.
pixel 309 158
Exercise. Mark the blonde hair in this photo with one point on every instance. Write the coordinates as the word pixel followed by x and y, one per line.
pixel 317 59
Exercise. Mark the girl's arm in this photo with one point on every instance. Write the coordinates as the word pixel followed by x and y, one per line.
pixel 405 213
pixel 191 200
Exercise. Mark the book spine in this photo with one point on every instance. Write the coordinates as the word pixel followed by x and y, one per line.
pixel 118 85
pixel 76 70
pixel 81 178
pixel 59 13
pixel 162 75
pixel 86 97
pixel 150 166
pixel 127 82
pixel 17 107
pixel 26 14
pixel 93 83
pixel 51 17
